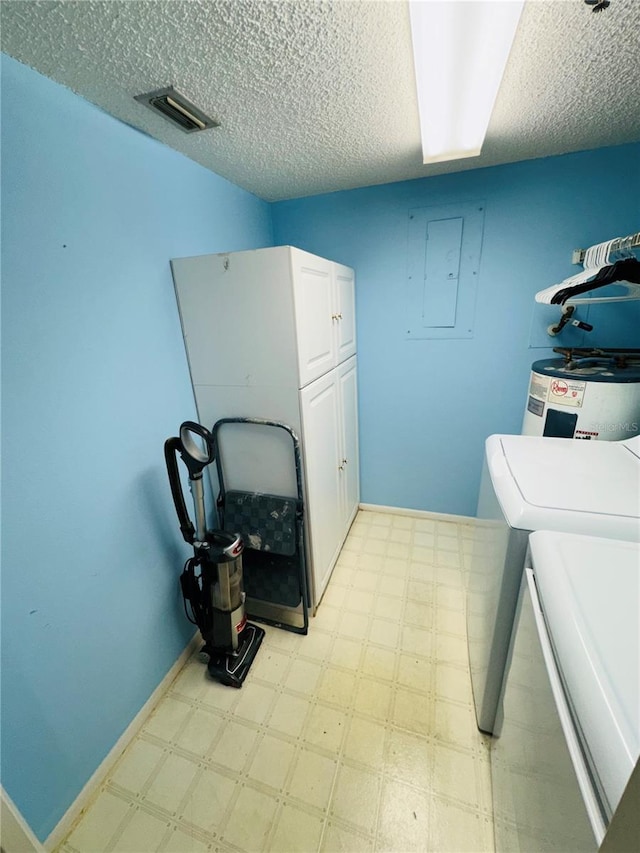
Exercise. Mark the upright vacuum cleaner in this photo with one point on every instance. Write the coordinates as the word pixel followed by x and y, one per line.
pixel 212 579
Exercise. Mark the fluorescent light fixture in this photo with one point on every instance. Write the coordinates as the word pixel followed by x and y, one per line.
pixel 460 51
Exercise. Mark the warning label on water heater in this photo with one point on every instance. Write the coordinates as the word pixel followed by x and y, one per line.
pixel 566 392
pixel 539 387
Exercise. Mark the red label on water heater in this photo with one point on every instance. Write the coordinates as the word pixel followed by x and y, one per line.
pixel 241 623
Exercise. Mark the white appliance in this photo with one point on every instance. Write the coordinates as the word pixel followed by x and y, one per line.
pixel 536 483
pixel 568 726
pixel 589 394
pixel 271 334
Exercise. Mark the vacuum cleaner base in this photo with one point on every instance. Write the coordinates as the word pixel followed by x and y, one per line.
pixel 231 668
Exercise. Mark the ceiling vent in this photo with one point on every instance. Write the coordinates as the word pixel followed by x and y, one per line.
pixel 177 109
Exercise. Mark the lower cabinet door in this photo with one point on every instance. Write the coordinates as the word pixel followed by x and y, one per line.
pixel 320 405
pixel 349 466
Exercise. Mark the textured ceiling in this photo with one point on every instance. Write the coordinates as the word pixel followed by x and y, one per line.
pixel 317 96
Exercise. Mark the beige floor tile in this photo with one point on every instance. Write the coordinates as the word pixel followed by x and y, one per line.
pixel 327 617
pixel 457 776
pixel 392 585
pixel 409 758
pixel 374 546
pixel 303 676
pixel 394 567
pixel 454 829
pixel 453 682
pixel 455 724
pixel 365 580
pixel 365 742
pixel 285 641
pixel 200 732
pixel 451 649
pixel 297 831
pixel 356 797
pixel 346 653
pixel 353 626
pixel 379 531
pixel 208 800
pixel 255 702
pixel 288 714
pixel 312 778
pixel 192 681
pixel 449 597
pixel 373 698
pixel 359 601
pixel 451 622
pixel 413 711
pixel 384 633
pixel 270 665
pixel 337 687
pixel 399 550
pixel 219 696
pixel 167 719
pixel 142 832
pixel 424 539
pixel 335 593
pixel 403 522
pixel 388 607
pixel 425 525
pixel 415 672
pixel 449 541
pixel 403 823
pixel 416 641
pixel 354 542
pixel 422 591
pixel 317 644
pixel 181 842
pixel 326 728
pixel 271 762
pixel 251 820
pixel 419 613
pixel 422 558
pixel 235 745
pixel 96 829
pixel 398 534
pixel 448 558
pixel 171 782
pixel 137 765
pixel 337 839
pixel 379 663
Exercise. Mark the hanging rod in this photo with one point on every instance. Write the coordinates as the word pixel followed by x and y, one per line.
pixel 630 242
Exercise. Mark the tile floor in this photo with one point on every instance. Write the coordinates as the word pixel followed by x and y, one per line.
pixel 359 736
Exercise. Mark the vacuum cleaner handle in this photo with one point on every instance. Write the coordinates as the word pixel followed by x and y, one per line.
pixel 193 455
pixel 171 448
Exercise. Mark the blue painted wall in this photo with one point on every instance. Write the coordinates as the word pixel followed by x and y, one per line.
pixel 426 406
pixel 94 378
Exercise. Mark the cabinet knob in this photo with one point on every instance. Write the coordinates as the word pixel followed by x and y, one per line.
pixel 336 316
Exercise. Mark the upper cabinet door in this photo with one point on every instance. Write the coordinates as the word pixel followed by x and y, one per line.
pixel 345 314
pixel 313 289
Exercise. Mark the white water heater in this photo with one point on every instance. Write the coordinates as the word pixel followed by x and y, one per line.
pixel 588 394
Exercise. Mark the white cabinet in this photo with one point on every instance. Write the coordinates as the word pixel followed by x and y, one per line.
pixel 330 446
pixel 270 333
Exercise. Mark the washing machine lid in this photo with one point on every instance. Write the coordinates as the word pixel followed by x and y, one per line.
pixel 573 486
pixel 590 593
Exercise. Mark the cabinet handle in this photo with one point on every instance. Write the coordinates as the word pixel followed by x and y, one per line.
pixel 345 461
pixel 340 467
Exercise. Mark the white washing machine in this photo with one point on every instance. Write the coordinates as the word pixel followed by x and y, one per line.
pixel 568 724
pixel 537 483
